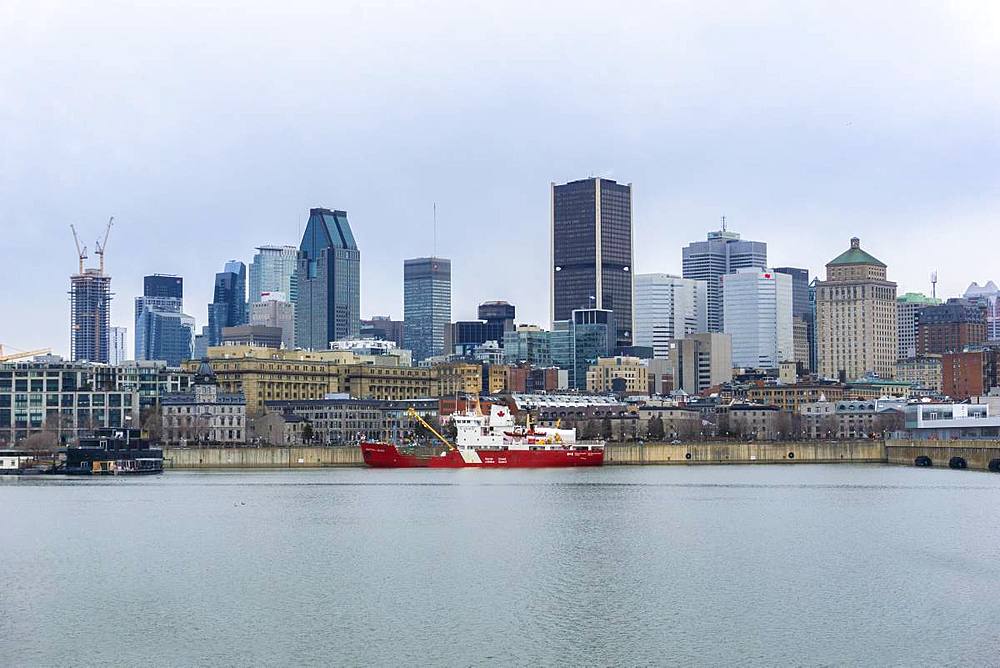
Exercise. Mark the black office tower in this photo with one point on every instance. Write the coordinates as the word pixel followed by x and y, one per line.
pixel 592 251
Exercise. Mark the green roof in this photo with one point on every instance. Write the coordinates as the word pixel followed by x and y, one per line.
pixel 854 255
pixel 917 298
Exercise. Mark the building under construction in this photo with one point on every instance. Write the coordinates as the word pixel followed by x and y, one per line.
pixel 90 307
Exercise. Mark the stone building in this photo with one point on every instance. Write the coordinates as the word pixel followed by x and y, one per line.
pixel 856 329
pixel 207 416
pixel 618 374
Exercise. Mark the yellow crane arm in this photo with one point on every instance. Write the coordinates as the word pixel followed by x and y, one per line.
pixel 416 416
pixel 22 355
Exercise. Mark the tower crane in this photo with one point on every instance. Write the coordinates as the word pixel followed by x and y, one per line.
pixel 80 251
pixel 101 245
pixel 22 355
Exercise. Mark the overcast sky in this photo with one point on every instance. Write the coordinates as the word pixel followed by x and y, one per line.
pixel 210 129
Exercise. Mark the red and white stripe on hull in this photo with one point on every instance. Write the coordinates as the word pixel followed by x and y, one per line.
pixel 386 455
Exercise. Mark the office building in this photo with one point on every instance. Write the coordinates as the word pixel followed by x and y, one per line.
pixel 989 296
pixel 273 270
pixel 273 310
pixel 757 308
pixel 619 374
pixel 328 277
pixel 528 344
pixel 119 345
pixel 591 336
pixel 229 303
pixel 384 328
pixel 723 252
pixel 592 251
pixel 260 336
pixel 921 372
pixel 701 361
pixel 803 325
pixel 668 307
pixel 162 330
pixel 907 308
pixel 496 318
pixel 856 327
pixel 950 327
pixel 426 305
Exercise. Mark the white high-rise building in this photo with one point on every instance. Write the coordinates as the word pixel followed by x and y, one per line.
pixel 989 296
pixel 668 307
pixel 757 312
pixel 274 310
pixel 118 351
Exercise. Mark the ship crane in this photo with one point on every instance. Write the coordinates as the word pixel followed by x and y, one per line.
pixel 412 413
pixel 81 251
pixel 21 355
pixel 101 245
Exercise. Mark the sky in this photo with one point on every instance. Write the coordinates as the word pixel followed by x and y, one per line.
pixel 209 128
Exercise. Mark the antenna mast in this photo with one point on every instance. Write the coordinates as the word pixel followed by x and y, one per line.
pixel 933 285
pixel 723 223
pixel 435 247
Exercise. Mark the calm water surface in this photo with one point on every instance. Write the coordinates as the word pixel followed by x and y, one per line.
pixel 719 565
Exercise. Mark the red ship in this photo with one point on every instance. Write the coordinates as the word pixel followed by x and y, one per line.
pixel 493 441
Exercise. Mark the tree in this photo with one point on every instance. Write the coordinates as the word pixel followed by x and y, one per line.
pixel 151 422
pixel 606 431
pixel 43 441
pixel 307 432
pixel 588 430
pixel 656 428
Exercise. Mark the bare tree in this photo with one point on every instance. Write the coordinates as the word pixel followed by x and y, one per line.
pixel 151 422
pixel 42 441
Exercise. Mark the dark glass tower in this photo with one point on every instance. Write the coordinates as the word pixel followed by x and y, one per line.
pixel 592 251
pixel 329 282
pixel 229 304
pixel 426 305
pixel 162 331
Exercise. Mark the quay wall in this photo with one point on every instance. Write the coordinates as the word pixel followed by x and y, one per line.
pixel 977 454
pixel 785 452
pixel 622 454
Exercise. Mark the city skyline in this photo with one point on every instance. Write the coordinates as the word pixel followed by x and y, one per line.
pixel 833 143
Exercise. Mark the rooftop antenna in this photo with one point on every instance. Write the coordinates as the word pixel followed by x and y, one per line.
pixel 723 223
pixel 435 249
pixel 933 285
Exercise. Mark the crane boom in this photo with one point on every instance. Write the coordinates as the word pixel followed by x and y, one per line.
pixel 101 245
pixel 416 416
pixel 81 251
pixel 22 355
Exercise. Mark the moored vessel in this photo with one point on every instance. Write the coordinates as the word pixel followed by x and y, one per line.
pixel 488 441
pixel 112 451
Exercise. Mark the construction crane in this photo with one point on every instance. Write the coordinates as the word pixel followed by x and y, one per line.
pixel 80 251
pixel 101 245
pixel 22 355
pixel 413 414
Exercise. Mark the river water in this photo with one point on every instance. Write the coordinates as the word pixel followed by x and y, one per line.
pixel 706 565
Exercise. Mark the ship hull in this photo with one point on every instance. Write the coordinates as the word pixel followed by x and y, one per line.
pixel 386 455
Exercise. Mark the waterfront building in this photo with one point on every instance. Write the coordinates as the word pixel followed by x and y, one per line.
pixel 790 398
pixel 668 307
pixel 753 422
pixel 907 308
pixel 207 416
pixel 950 327
pixel 273 270
pixel 426 305
pixel 328 304
pixel 343 420
pixel 383 327
pixel 260 336
pixel 758 317
pixel 723 252
pixel 119 346
pixel 989 296
pixel 803 326
pixel 921 372
pixel 619 375
pixel 274 310
pixel 856 327
pixel 59 398
pixel 951 421
pixel 591 235
pixel 162 330
pixel 851 418
pixel 700 361
pixel 229 303
pixel 149 379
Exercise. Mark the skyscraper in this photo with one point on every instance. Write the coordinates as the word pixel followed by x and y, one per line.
pixel 273 270
pixel 803 325
pixel 591 336
pixel 90 315
pixel 668 307
pixel 989 296
pixel 426 305
pixel 162 331
pixel 856 317
pixel 119 347
pixel 274 310
pixel 722 253
pixel 757 304
pixel 592 251
pixel 328 277
pixel 908 307
pixel 229 303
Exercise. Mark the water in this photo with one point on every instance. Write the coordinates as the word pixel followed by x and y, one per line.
pixel 721 565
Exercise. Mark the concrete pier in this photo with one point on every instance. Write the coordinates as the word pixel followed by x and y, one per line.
pixel 261 458
pixel 977 454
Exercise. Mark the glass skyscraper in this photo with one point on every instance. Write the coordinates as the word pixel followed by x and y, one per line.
pixel 328 276
pixel 426 305
pixel 162 331
pixel 229 303
pixel 722 253
pixel 273 270
pixel 592 251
